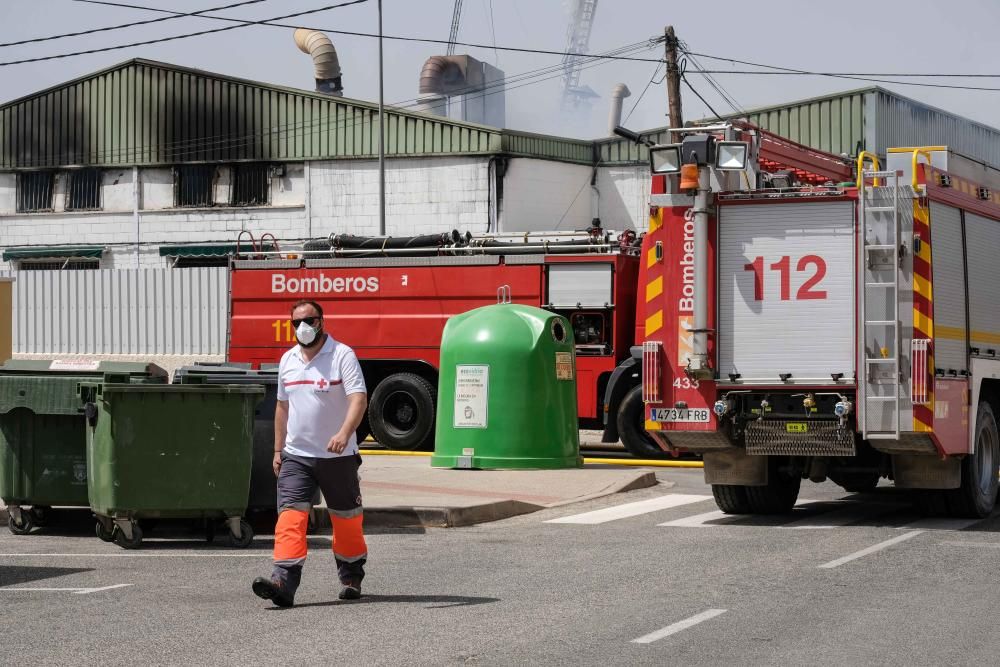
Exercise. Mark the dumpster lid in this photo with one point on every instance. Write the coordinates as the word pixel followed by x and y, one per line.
pixel 206 389
pixel 79 366
pixel 222 373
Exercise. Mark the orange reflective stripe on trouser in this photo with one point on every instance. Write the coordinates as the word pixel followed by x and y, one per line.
pixel 349 537
pixel 290 537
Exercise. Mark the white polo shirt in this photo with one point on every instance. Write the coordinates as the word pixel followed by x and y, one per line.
pixel 317 392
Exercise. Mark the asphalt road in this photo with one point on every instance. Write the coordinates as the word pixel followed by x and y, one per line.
pixel 845 580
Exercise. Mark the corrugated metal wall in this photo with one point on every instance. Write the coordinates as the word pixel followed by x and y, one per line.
pixel 905 122
pixel 832 124
pixel 121 311
pixel 147 113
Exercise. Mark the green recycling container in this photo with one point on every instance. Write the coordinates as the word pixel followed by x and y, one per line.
pixel 172 452
pixel 43 438
pixel 507 391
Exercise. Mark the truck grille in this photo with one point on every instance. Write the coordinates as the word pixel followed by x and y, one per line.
pixel 784 437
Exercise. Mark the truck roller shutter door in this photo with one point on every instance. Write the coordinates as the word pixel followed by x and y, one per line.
pixel 949 288
pixel 983 243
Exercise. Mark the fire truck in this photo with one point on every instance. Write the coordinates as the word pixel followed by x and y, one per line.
pixel 807 328
pixel 389 299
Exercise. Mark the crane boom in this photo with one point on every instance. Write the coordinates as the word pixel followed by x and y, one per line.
pixel 456 19
pixel 578 41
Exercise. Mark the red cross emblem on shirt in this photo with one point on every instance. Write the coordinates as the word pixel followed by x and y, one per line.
pixel 322 384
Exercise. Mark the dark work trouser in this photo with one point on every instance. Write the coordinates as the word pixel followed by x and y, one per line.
pixel 338 479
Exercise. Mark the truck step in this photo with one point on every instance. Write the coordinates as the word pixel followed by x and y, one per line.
pixel 881 323
pixel 882 247
pixel 879 209
pixel 882 399
pixel 880 284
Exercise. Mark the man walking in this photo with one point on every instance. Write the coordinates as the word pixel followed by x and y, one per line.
pixel 321 401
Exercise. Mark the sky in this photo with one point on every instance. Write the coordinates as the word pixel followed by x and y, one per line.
pixel 918 36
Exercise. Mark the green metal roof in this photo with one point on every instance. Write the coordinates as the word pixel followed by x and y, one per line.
pixel 61 252
pixel 142 112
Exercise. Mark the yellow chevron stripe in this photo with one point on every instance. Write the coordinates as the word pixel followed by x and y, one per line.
pixel 654 323
pixel 656 220
pixel 922 287
pixel 654 289
pixel 651 256
pixel 923 325
pixel 652 426
pixel 925 252
pixel 921 427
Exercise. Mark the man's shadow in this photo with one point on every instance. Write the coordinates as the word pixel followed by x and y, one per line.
pixel 432 601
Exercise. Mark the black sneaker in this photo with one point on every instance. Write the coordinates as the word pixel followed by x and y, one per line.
pixel 272 590
pixel 350 591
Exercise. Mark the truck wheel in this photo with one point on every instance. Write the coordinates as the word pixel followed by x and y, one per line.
pixel 632 427
pixel 401 413
pixel 731 499
pixel 778 496
pixel 977 496
pixel 364 429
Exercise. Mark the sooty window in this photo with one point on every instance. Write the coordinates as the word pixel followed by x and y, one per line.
pixel 56 264
pixel 194 185
pixel 251 184
pixel 84 190
pixel 34 191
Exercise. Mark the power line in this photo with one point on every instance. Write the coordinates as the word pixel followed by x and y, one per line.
pixel 173 16
pixel 400 38
pixel 242 24
pixel 703 100
pixel 853 76
pixel 719 88
pixel 643 94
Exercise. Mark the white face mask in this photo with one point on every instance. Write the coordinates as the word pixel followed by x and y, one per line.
pixel 306 334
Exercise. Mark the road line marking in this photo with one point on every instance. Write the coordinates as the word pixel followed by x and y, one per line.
pixel 680 625
pixel 631 509
pixel 701 520
pixel 262 556
pixel 983 545
pixel 77 590
pixel 88 591
pixel 870 550
pixel 941 524
pixel 847 513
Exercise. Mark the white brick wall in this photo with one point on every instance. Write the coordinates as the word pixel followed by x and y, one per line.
pixel 423 196
pixel 543 195
pixel 624 200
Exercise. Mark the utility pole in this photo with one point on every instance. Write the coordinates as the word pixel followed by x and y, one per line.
pixel 381 130
pixel 673 78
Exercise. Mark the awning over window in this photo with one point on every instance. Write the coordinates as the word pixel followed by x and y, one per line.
pixel 61 252
pixel 207 250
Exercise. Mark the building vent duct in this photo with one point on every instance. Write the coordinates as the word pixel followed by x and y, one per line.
pixel 325 61
pixel 479 85
pixel 618 94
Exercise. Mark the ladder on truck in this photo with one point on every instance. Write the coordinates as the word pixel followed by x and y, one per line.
pixel 882 255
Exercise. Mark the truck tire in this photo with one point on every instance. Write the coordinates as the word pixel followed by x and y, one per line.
pixel 778 496
pixel 401 412
pixel 632 427
pixel 977 496
pixel 731 499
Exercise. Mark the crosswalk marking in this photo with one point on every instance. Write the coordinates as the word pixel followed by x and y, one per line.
pixel 940 524
pixel 837 518
pixel 631 509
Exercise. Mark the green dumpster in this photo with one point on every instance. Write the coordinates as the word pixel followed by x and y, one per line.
pixel 507 391
pixel 170 452
pixel 263 493
pixel 43 439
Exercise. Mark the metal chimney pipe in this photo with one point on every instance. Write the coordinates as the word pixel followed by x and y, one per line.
pixel 618 93
pixel 325 61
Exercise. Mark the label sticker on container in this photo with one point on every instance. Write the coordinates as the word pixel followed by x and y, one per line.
pixel 74 365
pixel 564 366
pixel 468 451
pixel 472 390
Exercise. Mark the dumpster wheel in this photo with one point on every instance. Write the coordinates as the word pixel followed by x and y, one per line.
pixel 123 540
pixel 102 531
pixel 24 526
pixel 245 538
